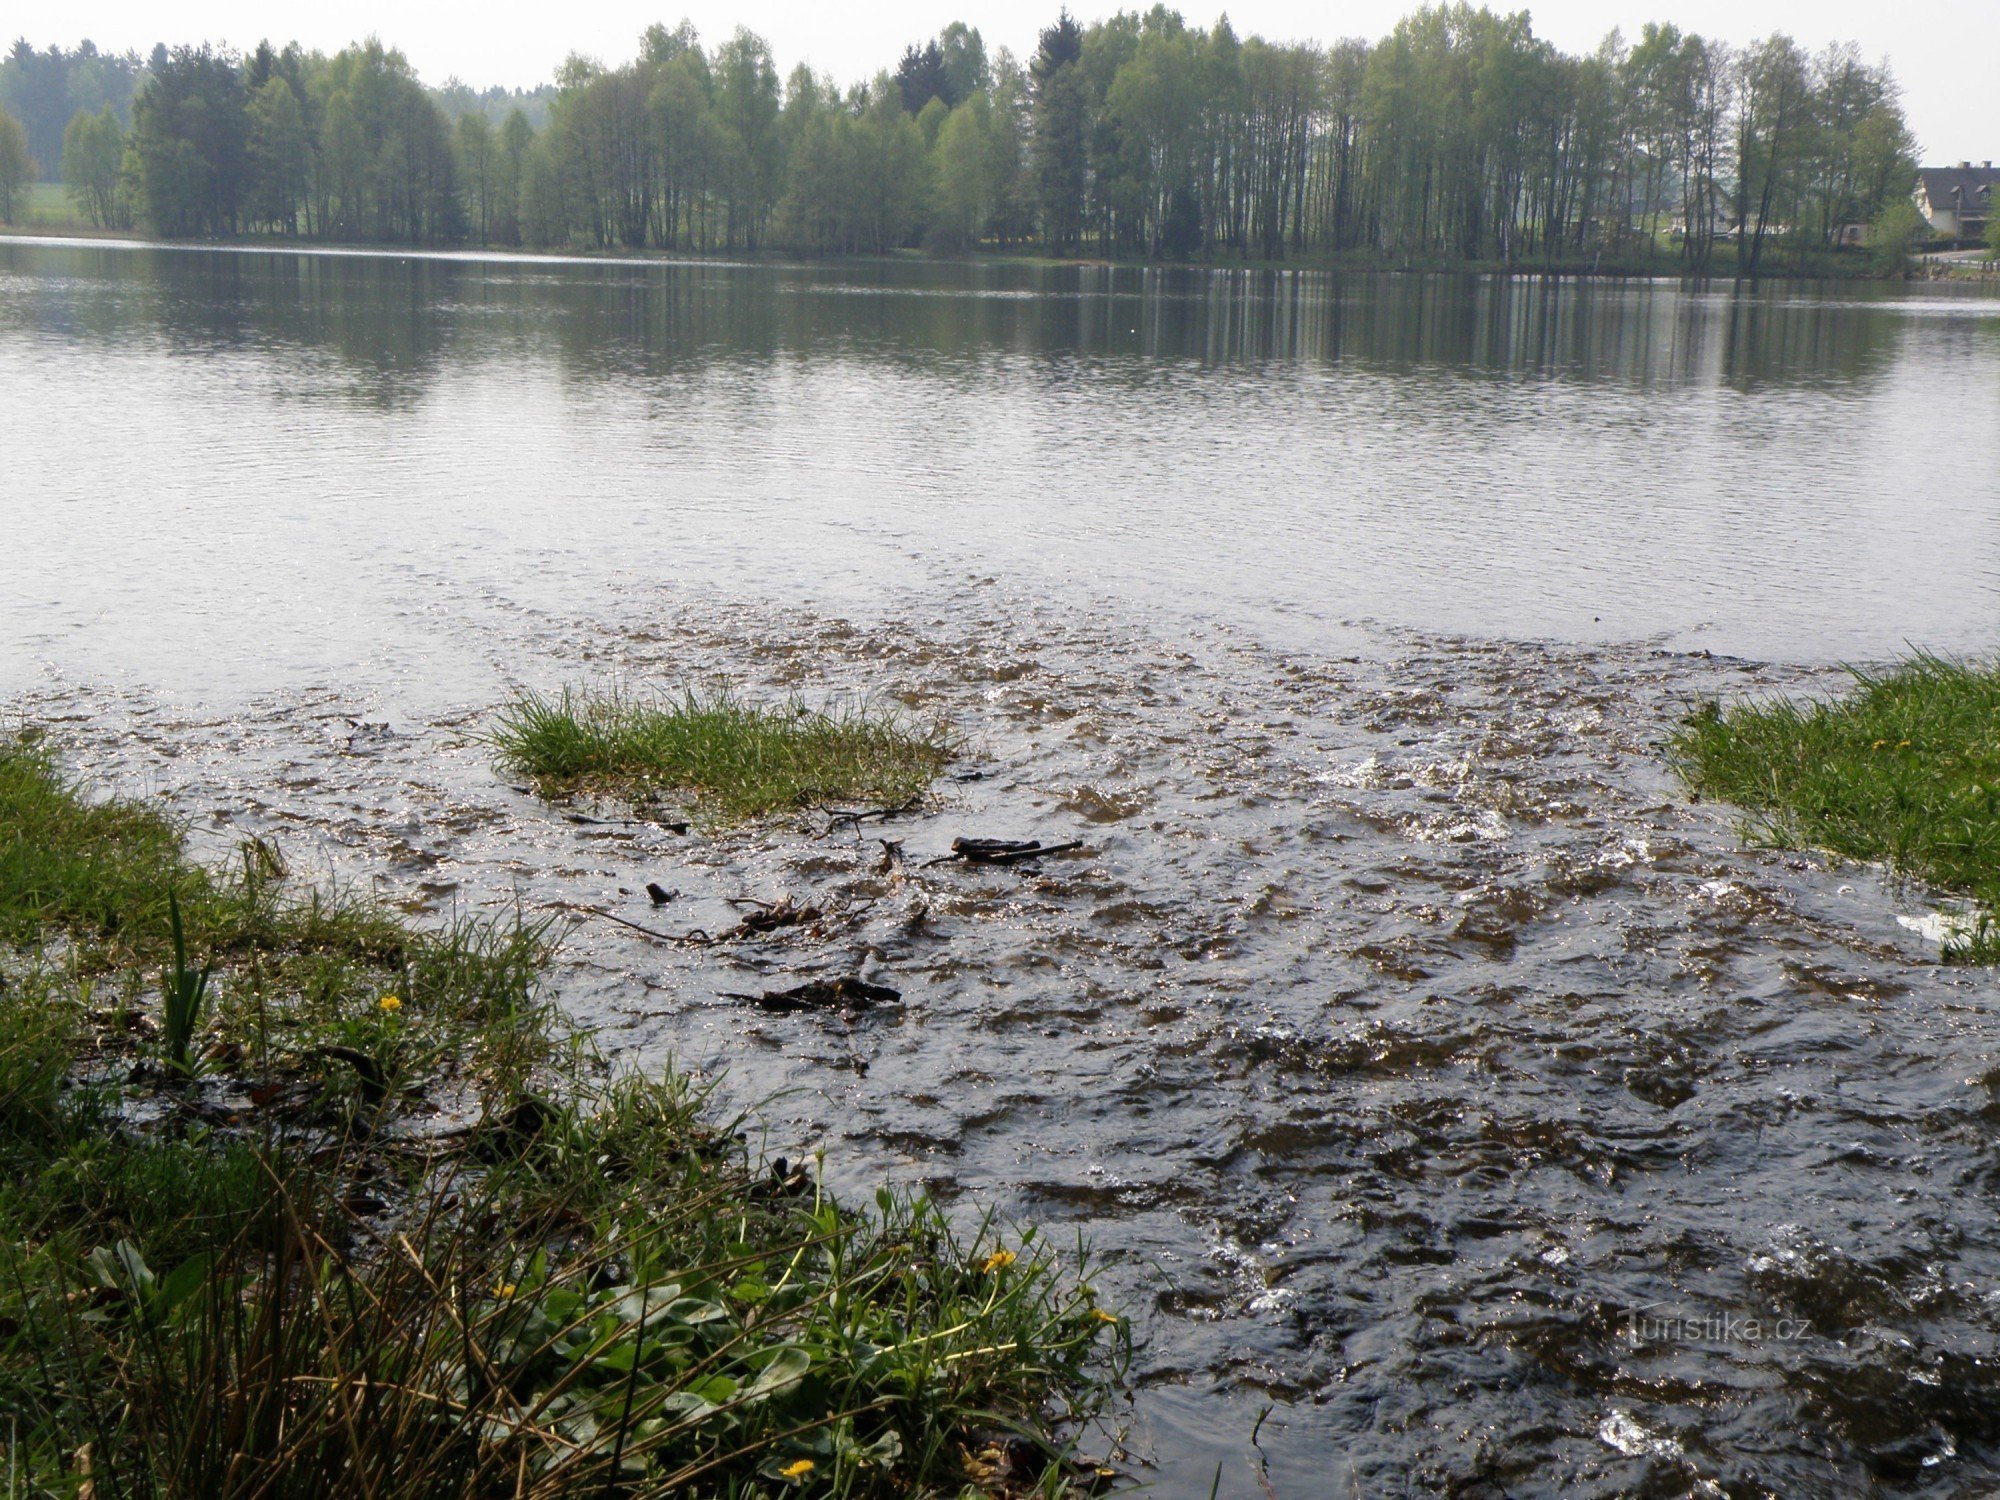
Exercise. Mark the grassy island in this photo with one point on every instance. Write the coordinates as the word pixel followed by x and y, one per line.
pixel 1904 772
pixel 730 760
pixel 299 1198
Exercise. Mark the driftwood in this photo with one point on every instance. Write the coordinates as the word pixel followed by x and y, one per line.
pixel 1000 851
pixel 847 995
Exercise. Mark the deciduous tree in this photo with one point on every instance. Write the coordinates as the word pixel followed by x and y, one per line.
pixel 92 159
pixel 17 168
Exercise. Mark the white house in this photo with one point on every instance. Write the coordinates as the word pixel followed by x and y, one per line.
pixel 1958 201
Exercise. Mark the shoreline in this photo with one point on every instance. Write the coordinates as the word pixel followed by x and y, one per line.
pixel 1596 269
pixel 320 1076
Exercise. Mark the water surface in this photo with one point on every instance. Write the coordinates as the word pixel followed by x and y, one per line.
pixel 328 441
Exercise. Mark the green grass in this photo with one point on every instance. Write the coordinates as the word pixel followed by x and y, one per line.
pixel 730 760
pixel 70 863
pixel 1905 771
pixel 285 1270
pixel 108 881
pixel 49 206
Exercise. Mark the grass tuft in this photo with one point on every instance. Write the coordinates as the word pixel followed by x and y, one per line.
pixel 1905 772
pixel 732 760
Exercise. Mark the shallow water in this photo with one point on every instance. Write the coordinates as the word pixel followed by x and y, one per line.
pixel 1422 1064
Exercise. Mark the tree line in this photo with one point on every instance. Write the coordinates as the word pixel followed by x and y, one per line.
pixel 1459 136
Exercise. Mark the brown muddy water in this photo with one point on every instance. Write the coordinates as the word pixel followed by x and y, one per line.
pixel 1422 1065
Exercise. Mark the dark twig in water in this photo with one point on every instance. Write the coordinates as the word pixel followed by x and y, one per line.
pixel 597 822
pixel 612 916
pixel 1000 851
pixel 769 917
pixel 849 994
pixel 855 817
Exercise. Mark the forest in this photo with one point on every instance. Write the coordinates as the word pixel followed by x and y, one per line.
pixel 1459 137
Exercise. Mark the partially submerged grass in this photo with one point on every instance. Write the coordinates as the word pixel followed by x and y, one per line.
pixel 282 1270
pixel 730 759
pixel 105 875
pixel 1905 772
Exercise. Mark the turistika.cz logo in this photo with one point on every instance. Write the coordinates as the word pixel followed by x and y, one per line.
pixel 1685 1325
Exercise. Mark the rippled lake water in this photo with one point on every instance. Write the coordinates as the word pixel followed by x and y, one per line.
pixel 1424 1065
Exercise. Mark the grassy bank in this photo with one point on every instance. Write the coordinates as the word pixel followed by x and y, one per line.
pixel 1905 771
pixel 48 208
pixel 727 759
pixel 297 1198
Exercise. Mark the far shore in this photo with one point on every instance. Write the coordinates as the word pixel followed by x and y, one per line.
pixel 1844 267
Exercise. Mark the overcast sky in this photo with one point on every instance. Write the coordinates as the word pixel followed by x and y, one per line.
pixel 1946 53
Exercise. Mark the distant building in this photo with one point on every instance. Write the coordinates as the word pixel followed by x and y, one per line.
pixel 1957 201
pixel 1721 223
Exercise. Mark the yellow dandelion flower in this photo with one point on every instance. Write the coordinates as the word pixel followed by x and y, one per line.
pixel 1880 744
pixel 999 1260
pixel 390 1004
pixel 1102 1316
pixel 1902 744
pixel 503 1289
pixel 797 1470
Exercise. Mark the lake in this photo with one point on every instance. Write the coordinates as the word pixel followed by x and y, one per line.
pixel 1422 1064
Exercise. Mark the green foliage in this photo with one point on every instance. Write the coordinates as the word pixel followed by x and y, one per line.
pixel 516 136
pixel 96 868
pixel 861 180
pixel 1898 232
pixel 736 760
pixel 93 158
pixel 600 1294
pixel 472 141
pixel 17 168
pixel 45 89
pixel 36 1041
pixel 1460 136
pixel 281 157
pixel 702 1339
pixel 1060 143
pixel 295 970
pixel 923 79
pixel 183 990
pixel 188 133
pixel 385 165
pixel 1906 772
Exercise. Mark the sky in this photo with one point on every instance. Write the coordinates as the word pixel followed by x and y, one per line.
pixel 1946 53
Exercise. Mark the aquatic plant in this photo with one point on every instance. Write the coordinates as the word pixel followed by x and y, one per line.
pixel 184 992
